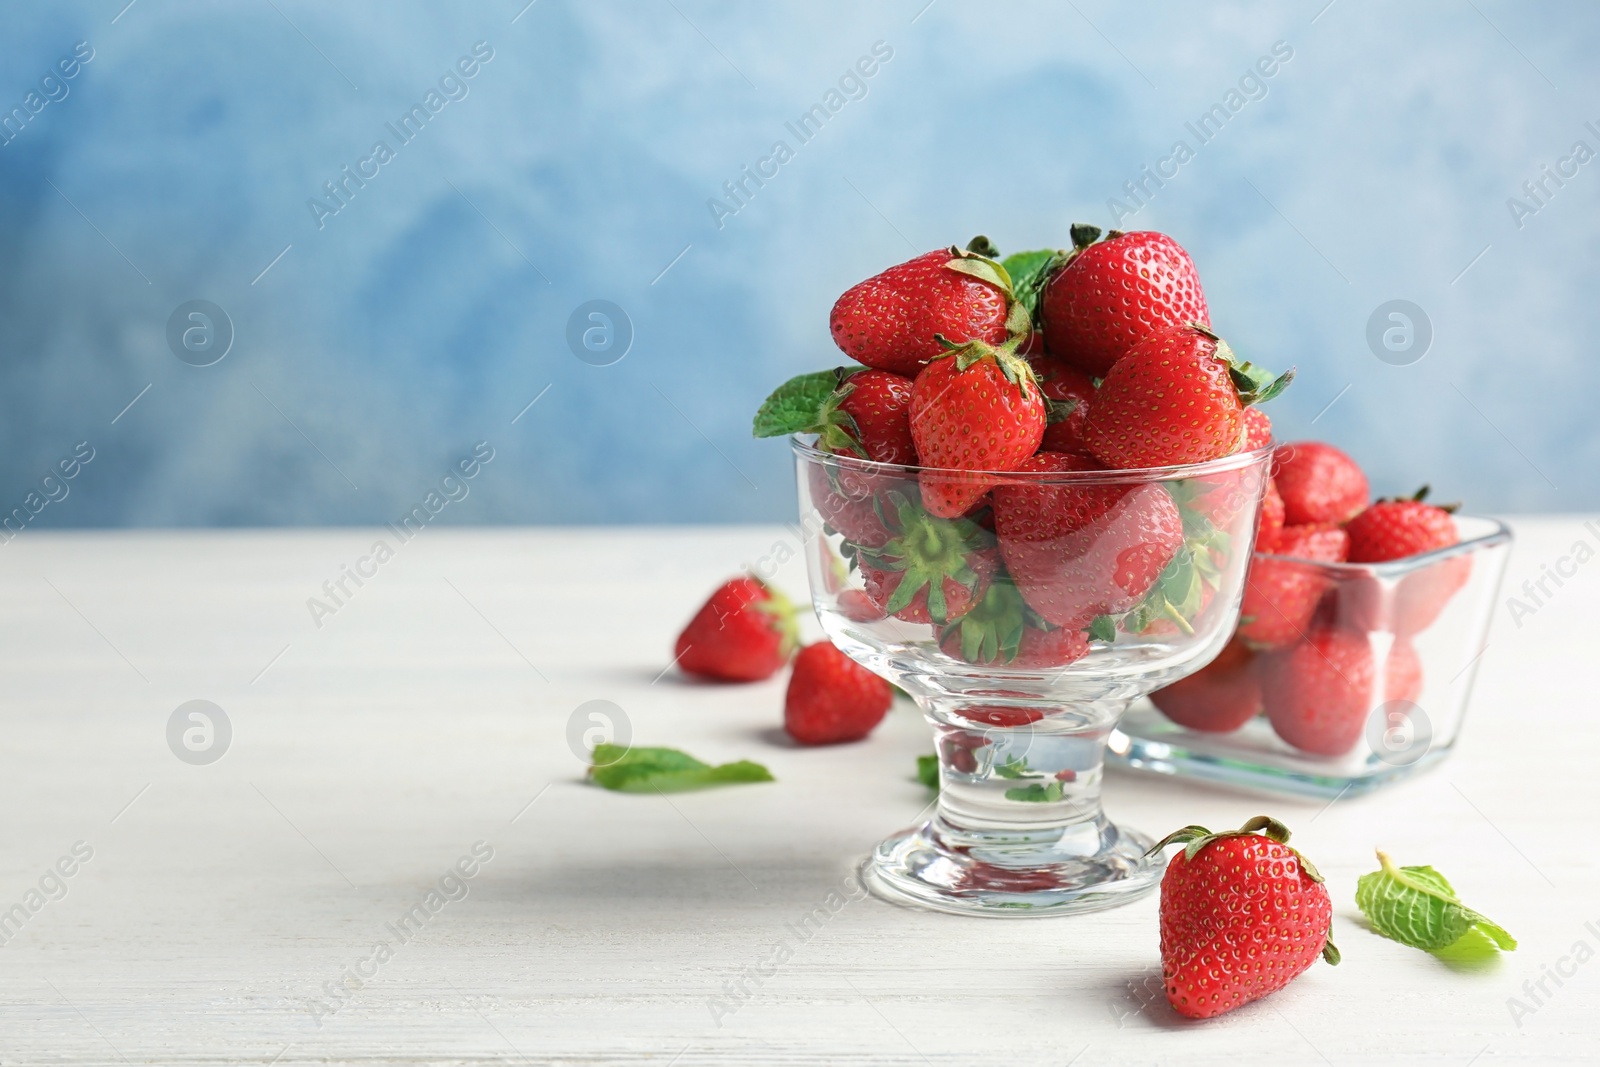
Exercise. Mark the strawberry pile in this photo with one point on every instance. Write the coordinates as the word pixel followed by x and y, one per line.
pixel 1314 652
pixel 1096 358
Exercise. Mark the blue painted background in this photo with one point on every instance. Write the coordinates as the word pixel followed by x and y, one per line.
pixel 1377 162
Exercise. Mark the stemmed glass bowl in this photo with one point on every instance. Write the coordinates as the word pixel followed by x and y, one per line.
pixel 1023 628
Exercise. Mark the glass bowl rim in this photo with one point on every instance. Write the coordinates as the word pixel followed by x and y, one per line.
pixel 1499 534
pixel 1236 461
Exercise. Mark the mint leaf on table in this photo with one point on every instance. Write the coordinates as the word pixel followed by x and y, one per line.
pixel 797 406
pixel 665 770
pixel 928 771
pixel 1416 906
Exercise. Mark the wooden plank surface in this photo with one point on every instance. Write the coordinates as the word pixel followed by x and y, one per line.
pixel 430 712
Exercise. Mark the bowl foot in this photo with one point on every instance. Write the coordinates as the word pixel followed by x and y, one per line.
pixel 1085 867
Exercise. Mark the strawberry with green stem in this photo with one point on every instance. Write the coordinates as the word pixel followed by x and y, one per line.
pixel 1400 528
pixel 932 569
pixel 975 408
pixel 1002 630
pixel 1103 297
pixel 892 320
pixel 852 412
pixel 1242 916
pixel 1175 397
pixel 743 633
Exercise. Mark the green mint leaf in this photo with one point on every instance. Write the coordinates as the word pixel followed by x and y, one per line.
pixel 796 406
pixel 665 770
pixel 1027 272
pixel 928 771
pixel 1417 906
pixel 1103 628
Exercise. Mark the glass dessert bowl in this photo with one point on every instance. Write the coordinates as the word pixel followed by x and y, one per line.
pixel 1024 626
pixel 1357 674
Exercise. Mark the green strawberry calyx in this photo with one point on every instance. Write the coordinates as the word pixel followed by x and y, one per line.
pixel 780 613
pixel 928 551
pixel 1421 497
pixel 1195 838
pixel 992 631
pixel 809 403
pixel 1016 369
pixel 980 259
pixel 1255 385
pixel 1033 271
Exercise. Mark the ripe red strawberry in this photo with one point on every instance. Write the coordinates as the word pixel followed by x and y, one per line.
pixel 1319 483
pixel 931 570
pixel 1110 295
pixel 1077 551
pixel 1067 393
pixel 744 633
pixel 1281 592
pixel 846 502
pixel 1242 916
pixel 1395 529
pixel 832 698
pixel 975 408
pixel 1402 672
pixel 1222 696
pixel 1176 397
pixel 892 320
pixel 1318 693
pixel 1051 648
pixel 1257 430
pixel 859 413
pixel 1271 527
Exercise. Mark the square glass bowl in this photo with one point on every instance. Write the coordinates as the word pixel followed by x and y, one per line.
pixel 1427 614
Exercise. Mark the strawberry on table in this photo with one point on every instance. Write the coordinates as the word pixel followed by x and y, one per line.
pixel 1077 552
pixel 1281 592
pixel 744 633
pixel 1319 483
pixel 832 698
pixel 975 408
pixel 1242 916
pixel 1318 693
pixel 1222 696
pixel 1176 397
pixel 891 320
pixel 1106 296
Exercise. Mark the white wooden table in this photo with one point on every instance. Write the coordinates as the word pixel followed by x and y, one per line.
pixel 430 712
